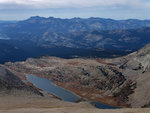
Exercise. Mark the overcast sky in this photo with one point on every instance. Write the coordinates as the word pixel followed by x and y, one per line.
pixel 115 9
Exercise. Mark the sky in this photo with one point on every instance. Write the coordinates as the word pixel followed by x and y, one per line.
pixel 115 9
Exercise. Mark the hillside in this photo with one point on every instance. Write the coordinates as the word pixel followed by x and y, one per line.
pixel 79 33
pixel 16 97
pixel 89 78
pixel 136 67
pixel 10 82
pixel 121 81
pixel 17 94
pixel 114 40
pixel 13 50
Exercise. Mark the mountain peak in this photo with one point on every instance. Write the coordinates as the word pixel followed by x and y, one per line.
pixel 35 19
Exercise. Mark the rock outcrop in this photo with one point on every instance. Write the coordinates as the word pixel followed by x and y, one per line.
pixel 136 67
pixel 9 82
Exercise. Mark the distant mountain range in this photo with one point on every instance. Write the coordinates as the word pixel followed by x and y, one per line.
pixel 41 24
pixel 115 39
pixel 79 34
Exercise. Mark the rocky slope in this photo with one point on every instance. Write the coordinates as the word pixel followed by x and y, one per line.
pixel 136 68
pixel 22 102
pixel 16 93
pixel 10 82
pixel 89 78
pixel 22 98
pixel 121 81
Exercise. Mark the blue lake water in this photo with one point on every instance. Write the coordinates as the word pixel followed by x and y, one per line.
pixel 103 106
pixel 65 95
pixel 48 86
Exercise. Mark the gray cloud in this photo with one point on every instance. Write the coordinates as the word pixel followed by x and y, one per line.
pixel 10 4
pixel 116 9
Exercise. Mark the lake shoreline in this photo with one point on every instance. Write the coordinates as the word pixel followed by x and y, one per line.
pixel 93 102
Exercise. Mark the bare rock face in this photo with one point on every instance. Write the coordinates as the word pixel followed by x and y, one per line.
pixel 136 67
pixel 143 56
pixel 9 81
pixel 141 95
pixel 145 62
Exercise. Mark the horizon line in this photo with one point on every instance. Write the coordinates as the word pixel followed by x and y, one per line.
pixel 74 18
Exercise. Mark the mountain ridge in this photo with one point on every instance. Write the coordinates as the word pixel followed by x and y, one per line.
pixel 80 33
